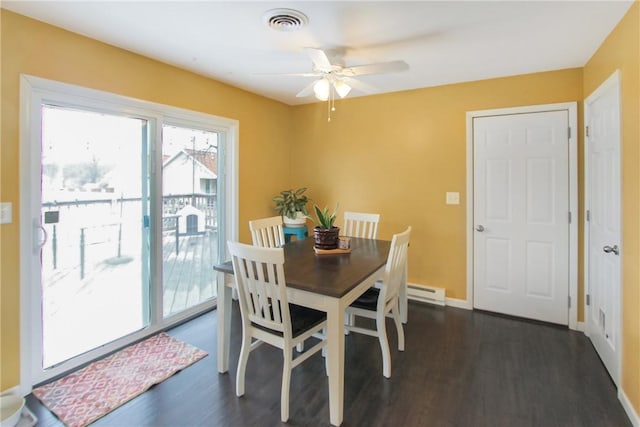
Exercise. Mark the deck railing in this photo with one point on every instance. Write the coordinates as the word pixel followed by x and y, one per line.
pixel 109 235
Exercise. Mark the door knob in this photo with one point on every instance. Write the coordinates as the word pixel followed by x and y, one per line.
pixel 480 228
pixel 608 249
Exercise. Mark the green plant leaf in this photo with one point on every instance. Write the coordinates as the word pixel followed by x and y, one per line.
pixel 289 202
pixel 324 218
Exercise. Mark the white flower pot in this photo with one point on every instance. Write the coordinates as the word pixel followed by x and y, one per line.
pixel 300 220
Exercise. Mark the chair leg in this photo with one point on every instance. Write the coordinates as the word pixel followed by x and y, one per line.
pixel 349 320
pixel 286 381
pixel 399 328
pixel 326 364
pixel 324 349
pixel 384 344
pixel 242 363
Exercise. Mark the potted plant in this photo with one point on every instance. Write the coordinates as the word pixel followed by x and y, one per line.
pixel 325 233
pixel 292 205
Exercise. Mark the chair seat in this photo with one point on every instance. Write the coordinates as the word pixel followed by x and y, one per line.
pixel 302 319
pixel 368 300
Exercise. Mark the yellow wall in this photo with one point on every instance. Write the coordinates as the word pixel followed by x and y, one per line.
pixel 621 50
pixel 34 48
pixel 398 154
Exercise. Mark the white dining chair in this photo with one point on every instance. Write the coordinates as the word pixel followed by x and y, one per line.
pixel 360 224
pixel 267 232
pixel 267 317
pixel 376 303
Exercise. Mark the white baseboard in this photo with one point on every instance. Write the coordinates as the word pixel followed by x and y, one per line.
pixel 428 294
pixel 580 326
pixel 628 407
pixel 459 303
pixel 435 295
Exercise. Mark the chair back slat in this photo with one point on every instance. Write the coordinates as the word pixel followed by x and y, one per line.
pixel 360 224
pixel 267 232
pixel 395 267
pixel 260 280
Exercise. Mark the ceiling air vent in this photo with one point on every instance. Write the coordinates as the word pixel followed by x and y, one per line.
pixel 285 19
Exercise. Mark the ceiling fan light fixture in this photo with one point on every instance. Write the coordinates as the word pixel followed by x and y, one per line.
pixel 342 88
pixel 321 88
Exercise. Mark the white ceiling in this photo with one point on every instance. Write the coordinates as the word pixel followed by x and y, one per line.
pixel 443 42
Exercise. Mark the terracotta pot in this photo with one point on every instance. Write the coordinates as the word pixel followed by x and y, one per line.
pixel 326 238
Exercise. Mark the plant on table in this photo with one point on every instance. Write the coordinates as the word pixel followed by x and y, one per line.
pixel 325 232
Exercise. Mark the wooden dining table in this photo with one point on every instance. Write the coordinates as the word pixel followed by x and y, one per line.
pixel 328 282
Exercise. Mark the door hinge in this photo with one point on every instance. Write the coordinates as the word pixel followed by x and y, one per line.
pixel 569 132
pixel 588 299
pixel 569 298
pixel 569 217
pixel 588 215
pixel 586 129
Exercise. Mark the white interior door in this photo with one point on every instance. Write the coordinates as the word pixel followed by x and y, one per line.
pixel 603 234
pixel 521 215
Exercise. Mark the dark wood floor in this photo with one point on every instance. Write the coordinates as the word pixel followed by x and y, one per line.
pixel 460 368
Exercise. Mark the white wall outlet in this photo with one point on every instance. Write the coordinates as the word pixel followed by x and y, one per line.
pixel 5 213
pixel 453 198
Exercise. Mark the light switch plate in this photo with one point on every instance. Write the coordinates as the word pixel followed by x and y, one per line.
pixel 5 213
pixel 453 198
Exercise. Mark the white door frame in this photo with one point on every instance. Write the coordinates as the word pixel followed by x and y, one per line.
pixel 572 109
pixel 33 90
pixel 612 80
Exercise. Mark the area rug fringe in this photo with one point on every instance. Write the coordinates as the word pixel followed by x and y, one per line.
pixel 84 396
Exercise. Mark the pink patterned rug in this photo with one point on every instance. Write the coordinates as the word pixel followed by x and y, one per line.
pixel 97 389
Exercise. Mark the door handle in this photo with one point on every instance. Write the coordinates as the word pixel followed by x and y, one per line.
pixel 40 237
pixel 480 228
pixel 608 249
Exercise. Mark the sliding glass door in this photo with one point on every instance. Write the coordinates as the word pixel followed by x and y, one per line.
pixel 189 217
pixel 125 206
pixel 95 245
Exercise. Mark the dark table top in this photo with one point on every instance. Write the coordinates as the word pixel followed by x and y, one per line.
pixel 332 275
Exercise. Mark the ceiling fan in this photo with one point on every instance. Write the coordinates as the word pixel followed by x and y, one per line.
pixel 334 77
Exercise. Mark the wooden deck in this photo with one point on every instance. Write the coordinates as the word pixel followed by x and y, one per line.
pixel 188 274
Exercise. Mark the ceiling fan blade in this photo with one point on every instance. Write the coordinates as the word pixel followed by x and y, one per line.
pixel 358 85
pixel 308 90
pixel 378 68
pixel 320 60
pixel 311 74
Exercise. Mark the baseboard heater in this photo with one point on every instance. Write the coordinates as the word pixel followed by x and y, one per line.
pixel 426 294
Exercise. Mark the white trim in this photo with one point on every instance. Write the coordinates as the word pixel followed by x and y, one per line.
pixel 628 408
pixel 428 294
pixel 460 303
pixel 612 80
pixel 34 91
pixel 580 327
pixel 572 109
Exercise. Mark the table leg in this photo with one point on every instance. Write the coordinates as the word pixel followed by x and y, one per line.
pixel 224 323
pixel 335 345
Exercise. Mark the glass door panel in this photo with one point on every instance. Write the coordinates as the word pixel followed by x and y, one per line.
pixel 189 217
pixel 95 258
